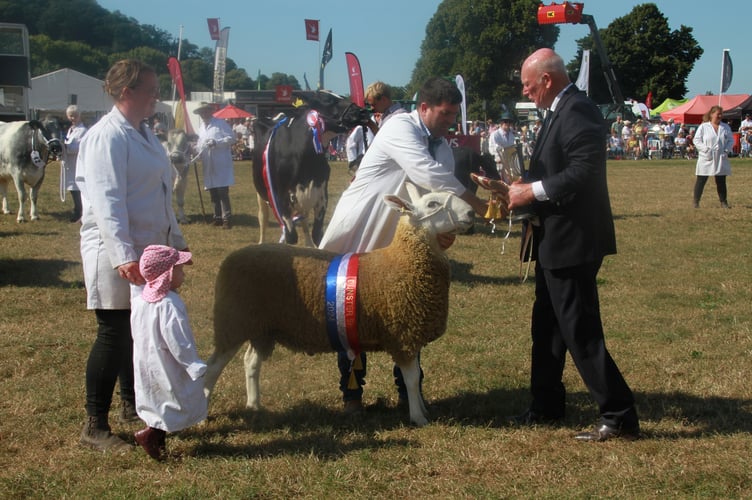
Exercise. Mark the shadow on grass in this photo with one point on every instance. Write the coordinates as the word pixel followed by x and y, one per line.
pixel 329 434
pixel 36 273
pixel 462 273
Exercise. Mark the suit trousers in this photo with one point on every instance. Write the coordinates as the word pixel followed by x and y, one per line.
pixel 566 317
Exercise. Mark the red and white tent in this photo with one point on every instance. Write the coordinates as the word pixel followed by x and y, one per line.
pixel 734 105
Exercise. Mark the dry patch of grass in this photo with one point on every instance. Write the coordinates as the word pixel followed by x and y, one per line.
pixel 676 307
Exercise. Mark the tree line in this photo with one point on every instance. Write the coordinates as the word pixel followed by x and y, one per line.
pixel 485 41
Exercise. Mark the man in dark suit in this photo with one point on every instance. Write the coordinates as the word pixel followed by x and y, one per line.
pixel 567 189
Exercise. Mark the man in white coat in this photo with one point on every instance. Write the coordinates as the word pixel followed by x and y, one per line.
pixel 410 146
pixel 215 140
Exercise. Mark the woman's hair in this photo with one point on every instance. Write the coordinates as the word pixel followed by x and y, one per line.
pixel 709 113
pixel 124 73
pixel 72 110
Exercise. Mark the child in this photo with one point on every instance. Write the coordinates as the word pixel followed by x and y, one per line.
pixel 168 372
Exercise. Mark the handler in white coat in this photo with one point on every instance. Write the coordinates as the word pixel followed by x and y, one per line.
pixel 215 140
pixel 125 178
pixel 713 142
pixel 73 138
pixel 409 146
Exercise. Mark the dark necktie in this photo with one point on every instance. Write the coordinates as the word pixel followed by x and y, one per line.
pixel 544 127
pixel 433 143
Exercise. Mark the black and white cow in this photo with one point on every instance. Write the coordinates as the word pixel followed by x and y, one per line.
pixel 25 150
pixel 290 169
pixel 178 146
pixel 467 160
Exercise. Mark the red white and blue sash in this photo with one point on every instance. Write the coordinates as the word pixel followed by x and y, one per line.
pixel 341 306
pixel 266 170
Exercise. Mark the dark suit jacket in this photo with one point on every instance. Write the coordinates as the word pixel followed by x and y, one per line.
pixel 570 158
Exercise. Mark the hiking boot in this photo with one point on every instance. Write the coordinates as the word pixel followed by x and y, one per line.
pixel 96 435
pixel 128 413
pixel 152 440
pixel 353 407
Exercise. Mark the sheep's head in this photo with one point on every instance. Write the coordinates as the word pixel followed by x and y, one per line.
pixel 438 211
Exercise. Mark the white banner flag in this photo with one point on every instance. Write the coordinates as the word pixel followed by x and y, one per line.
pixel 583 79
pixel 220 58
pixel 461 85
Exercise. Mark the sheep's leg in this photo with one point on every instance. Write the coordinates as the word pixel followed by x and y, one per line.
pixel 179 187
pixel 215 365
pixel 252 362
pixel 411 375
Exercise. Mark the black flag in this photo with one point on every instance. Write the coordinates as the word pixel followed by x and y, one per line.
pixel 327 55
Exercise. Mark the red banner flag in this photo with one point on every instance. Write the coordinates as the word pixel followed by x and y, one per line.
pixel 177 78
pixel 356 79
pixel 283 93
pixel 649 100
pixel 213 27
pixel 312 29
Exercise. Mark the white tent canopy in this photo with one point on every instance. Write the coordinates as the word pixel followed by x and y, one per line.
pixel 53 92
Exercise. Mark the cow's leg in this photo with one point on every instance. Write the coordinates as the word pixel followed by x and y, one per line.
pixel 21 198
pixel 411 374
pixel 4 195
pixel 319 213
pixel 33 195
pixel 179 187
pixel 252 362
pixel 214 366
pixel 263 216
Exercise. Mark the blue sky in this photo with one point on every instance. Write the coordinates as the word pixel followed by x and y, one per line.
pixel 269 35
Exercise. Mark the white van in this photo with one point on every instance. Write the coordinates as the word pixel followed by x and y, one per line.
pixel 527 112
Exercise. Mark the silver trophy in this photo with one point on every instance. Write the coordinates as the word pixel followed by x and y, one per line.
pixel 511 170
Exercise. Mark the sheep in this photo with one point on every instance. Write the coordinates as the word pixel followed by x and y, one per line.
pixel 275 293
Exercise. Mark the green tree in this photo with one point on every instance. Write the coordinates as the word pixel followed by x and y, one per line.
pixel 486 42
pixel 238 79
pixel 645 54
pixel 281 79
pixel 49 55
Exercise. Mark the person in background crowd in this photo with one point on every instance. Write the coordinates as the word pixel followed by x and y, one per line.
pixel 73 138
pixel 215 140
pixel 355 147
pixel 125 178
pixel 378 97
pixel 713 142
pixel 568 190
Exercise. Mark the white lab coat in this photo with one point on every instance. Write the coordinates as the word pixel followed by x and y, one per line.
pixel 167 369
pixel 355 146
pixel 362 221
pixel 72 142
pixel 217 160
pixel 713 148
pixel 126 189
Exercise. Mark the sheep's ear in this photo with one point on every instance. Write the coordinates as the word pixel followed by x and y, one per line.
pixel 397 203
pixel 412 191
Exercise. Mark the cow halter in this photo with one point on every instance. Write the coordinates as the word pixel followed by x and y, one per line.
pixel 36 155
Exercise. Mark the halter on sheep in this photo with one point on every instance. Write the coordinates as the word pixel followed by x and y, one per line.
pixel 292 313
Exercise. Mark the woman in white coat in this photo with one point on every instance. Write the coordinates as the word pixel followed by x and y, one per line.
pixel 73 138
pixel 215 140
pixel 713 141
pixel 125 179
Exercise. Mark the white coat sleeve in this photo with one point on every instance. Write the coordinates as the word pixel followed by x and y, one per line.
pixel 178 336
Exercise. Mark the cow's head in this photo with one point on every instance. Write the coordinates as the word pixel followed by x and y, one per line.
pixel 340 115
pixel 51 131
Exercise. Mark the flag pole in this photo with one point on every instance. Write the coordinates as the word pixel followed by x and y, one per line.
pixel 180 45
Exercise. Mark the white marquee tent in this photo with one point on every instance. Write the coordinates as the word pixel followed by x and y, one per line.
pixel 53 92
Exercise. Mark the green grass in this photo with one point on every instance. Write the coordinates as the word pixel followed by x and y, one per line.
pixel 676 308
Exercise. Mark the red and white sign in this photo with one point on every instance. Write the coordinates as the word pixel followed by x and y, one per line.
pixel 283 93
pixel 312 29
pixel 213 23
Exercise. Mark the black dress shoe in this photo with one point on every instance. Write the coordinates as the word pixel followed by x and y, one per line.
pixel 531 418
pixel 604 432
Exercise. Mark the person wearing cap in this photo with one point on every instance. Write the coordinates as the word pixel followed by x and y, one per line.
pixel 502 137
pixel 125 179
pixel 168 370
pixel 215 140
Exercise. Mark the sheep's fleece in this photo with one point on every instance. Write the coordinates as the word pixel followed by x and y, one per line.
pixel 275 293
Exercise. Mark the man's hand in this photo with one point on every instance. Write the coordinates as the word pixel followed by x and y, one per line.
pixel 520 195
pixel 131 273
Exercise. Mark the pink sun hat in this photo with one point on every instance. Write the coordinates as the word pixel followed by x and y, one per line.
pixel 156 266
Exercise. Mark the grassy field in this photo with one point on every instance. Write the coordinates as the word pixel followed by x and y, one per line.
pixel 676 303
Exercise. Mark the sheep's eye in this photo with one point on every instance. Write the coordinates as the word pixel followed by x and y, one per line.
pixel 433 204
